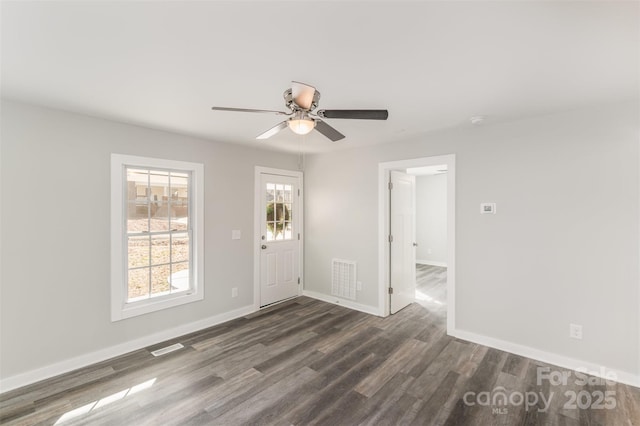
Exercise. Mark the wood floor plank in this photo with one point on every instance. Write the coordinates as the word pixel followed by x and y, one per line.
pixel 253 406
pixel 324 400
pixel 406 353
pixel 383 406
pixel 306 362
pixel 435 403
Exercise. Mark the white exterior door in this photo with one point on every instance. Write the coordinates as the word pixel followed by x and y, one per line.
pixel 279 238
pixel 402 244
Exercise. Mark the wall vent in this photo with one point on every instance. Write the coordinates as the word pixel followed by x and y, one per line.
pixel 168 349
pixel 343 278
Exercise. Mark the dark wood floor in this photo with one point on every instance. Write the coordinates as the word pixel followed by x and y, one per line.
pixel 308 362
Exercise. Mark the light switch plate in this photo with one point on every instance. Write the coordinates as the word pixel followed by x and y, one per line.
pixel 235 234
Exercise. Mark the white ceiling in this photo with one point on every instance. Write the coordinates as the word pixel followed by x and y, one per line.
pixel 432 64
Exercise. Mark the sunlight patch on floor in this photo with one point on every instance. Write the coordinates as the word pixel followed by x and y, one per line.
pixel 420 296
pixel 85 409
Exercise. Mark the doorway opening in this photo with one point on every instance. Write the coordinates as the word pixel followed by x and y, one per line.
pixel 433 273
pixel 431 238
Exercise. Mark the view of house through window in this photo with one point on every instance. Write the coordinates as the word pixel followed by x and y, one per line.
pixel 158 240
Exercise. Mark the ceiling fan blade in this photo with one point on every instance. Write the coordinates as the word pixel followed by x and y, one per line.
pixel 359 114
pixel 272 131
pixel 302 94
pixel 328 131
pixel 268 111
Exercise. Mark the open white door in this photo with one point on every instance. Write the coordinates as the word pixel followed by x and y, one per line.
pixel 280 238
pixel 402 240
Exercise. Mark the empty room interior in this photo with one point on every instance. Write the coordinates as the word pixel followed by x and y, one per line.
pixel 319 212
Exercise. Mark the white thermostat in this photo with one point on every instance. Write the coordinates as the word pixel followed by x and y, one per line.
pixel 487 208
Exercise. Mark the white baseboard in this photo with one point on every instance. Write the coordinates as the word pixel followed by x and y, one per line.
pixel 29 377
pixel 431 262
pixel 548 357
pixel 342 302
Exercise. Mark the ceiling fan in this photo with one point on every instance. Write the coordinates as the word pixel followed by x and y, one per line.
pixel 301 100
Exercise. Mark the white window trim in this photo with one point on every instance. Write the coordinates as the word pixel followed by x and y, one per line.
pixel 119 308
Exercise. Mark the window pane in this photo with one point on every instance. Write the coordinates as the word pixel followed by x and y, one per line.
pixel 279 193
pixel 138 252
pixel 160 279
pixel 180 247
pixel 180 277
pixel 270 212
pixel 160 249
pixel 137 182
pixel 137 200
pixel 270 194
pixel 138 283
pixel 158 200
pixel 287 212
pixel 287 193
pixel 137 216
pixel 287 230
pixel 279 230
pixel 270 231
pixel 179 198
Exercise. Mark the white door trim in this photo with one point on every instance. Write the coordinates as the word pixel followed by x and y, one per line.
pixel 257 217
pixel 383 229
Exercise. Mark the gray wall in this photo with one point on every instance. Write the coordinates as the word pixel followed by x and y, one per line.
pixel 563 247
pixel 431 218
pixel 55 232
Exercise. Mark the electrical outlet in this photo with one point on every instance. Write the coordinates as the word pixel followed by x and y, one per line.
pixel 575 331
pixel 359 285
pixel 429 251
pixel 234 292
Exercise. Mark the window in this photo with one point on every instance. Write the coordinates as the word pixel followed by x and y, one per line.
pixel 157 234
pixel 279 199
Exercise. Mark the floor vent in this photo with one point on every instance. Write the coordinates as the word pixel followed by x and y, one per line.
pixel 343 278
pixel 168 349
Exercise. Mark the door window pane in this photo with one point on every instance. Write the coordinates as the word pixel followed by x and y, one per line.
pixel 279 214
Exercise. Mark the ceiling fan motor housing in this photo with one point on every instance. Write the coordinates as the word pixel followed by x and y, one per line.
pixel 290 103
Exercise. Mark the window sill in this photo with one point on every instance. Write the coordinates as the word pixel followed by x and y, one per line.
pixel 134 309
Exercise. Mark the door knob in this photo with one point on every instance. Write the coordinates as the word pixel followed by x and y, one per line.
pixel 415 244
pixel 264 246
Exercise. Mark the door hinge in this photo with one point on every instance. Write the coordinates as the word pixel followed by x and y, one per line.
pixel 390 290
pixel 390 186
pixel 298 192
pixel 298 280
pixel 298 235
pixel 390 238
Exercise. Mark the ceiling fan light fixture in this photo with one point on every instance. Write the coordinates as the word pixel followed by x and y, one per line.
pixel 301 125
pixel 301 100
